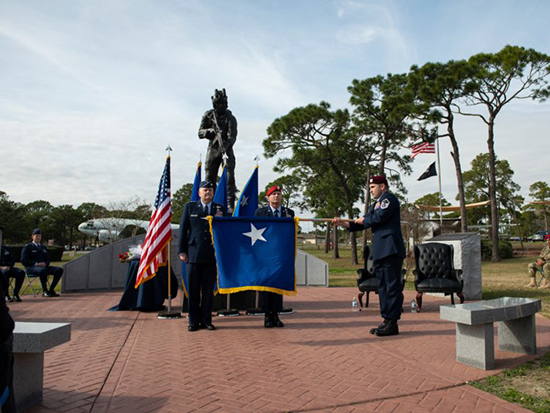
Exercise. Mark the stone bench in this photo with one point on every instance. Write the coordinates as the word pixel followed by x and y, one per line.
pixel 475 332
pixel 30 340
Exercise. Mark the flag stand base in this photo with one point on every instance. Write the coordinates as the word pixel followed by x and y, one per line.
pixel 255 311
pixel 286 311
pixel 231 312
pixel 166 315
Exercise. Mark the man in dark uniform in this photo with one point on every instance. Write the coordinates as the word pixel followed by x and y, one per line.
pixel 219 123
pixel 7 271
pixel 196 250
pixel 272 303
pixel 388 250
pixel 37 262
pixel 7 400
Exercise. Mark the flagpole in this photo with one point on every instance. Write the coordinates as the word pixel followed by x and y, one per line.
pixel 165 315
pixel 440 196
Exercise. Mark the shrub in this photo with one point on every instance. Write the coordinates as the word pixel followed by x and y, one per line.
pixel 504 249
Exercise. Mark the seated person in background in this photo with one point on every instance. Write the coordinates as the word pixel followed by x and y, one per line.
pixel 7 400
pixel 37 262
pixel 543 263
pixel 7 271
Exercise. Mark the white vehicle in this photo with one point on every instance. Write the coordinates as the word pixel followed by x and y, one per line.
pixel 109 229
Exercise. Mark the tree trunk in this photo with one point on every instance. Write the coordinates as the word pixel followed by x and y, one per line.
pixel 327 238
pixel 493 189
pixel 335 251
pixel 367 204
pixel 459 180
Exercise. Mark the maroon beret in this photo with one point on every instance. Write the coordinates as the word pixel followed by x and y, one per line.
pixel 273 189
pixel 378 179
pixel 547 236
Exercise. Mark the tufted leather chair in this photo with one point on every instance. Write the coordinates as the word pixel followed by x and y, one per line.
pixel 435 272
pixel 367 281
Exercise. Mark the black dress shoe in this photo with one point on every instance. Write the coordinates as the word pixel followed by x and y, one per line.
pixel 53 294
pixel 209 327
pixel 390 329
pixel 47 294
pixel 16 298
pixel 8 299
pixel 192 328
pixel 374 330
pixel 277 322
pixel 268 323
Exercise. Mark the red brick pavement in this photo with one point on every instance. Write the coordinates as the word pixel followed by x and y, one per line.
pixel 323 360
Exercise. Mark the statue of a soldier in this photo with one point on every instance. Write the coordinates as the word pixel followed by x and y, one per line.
pixel 219 126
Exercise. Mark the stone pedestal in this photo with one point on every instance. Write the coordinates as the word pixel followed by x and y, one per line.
pixel 467 257
pixel 30 340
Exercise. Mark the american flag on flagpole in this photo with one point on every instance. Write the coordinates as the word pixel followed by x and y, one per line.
pixel 154 250
pixel 424 147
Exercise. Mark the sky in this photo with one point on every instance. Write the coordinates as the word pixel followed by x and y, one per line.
pixel 92 92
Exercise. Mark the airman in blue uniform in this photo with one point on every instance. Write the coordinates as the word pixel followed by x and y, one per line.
pixel 388 249
pixel 7 271
pixel 37 262
pixel 272 303
pixel 197 251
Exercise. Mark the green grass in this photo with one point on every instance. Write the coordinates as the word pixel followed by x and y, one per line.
pixel 527 385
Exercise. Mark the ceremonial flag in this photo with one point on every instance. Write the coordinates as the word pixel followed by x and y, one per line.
pixel 428 172
pixel 154 250
pixel 424 147
pixel 196 184
pixel 255 253
pixel 194 198
pixel 220 197
pixel 248 201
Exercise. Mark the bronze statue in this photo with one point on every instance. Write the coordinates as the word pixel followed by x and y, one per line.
pixel 219 126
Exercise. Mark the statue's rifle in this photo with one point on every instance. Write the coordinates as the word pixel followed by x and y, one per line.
pixel 219 138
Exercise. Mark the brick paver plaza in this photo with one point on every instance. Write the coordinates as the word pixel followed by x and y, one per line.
pixel 323 360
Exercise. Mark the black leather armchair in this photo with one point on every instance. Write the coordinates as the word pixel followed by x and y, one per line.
pixel 435 272
pixel 367 281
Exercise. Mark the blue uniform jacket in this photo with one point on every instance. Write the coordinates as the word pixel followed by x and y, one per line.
pixel 33 253
pixel 6 259
pixel 195 238
pixel 385 222
pixel 266 212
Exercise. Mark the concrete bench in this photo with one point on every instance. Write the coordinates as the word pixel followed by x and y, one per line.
pixel 30 340
pixel 475 333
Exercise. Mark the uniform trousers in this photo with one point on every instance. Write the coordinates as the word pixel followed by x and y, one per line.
pixel 271 303
pixel 390 286
pixel 201 279
pixel 13 272
pixel 43 273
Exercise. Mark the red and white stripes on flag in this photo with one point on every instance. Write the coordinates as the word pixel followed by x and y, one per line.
pixel 154 250
pixel 424 147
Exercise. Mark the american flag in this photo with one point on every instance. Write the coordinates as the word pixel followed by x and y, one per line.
pixel 154 250
pixel 424 147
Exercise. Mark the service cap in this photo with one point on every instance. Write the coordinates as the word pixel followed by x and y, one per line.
pixel 206 184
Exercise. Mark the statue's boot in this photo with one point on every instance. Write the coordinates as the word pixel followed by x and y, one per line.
pixel 532 283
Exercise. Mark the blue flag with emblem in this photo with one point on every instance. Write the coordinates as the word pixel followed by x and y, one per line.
pixel 220 197
pixel 196 184
pixel 255 253
pixel 194 198
pixel 248 201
